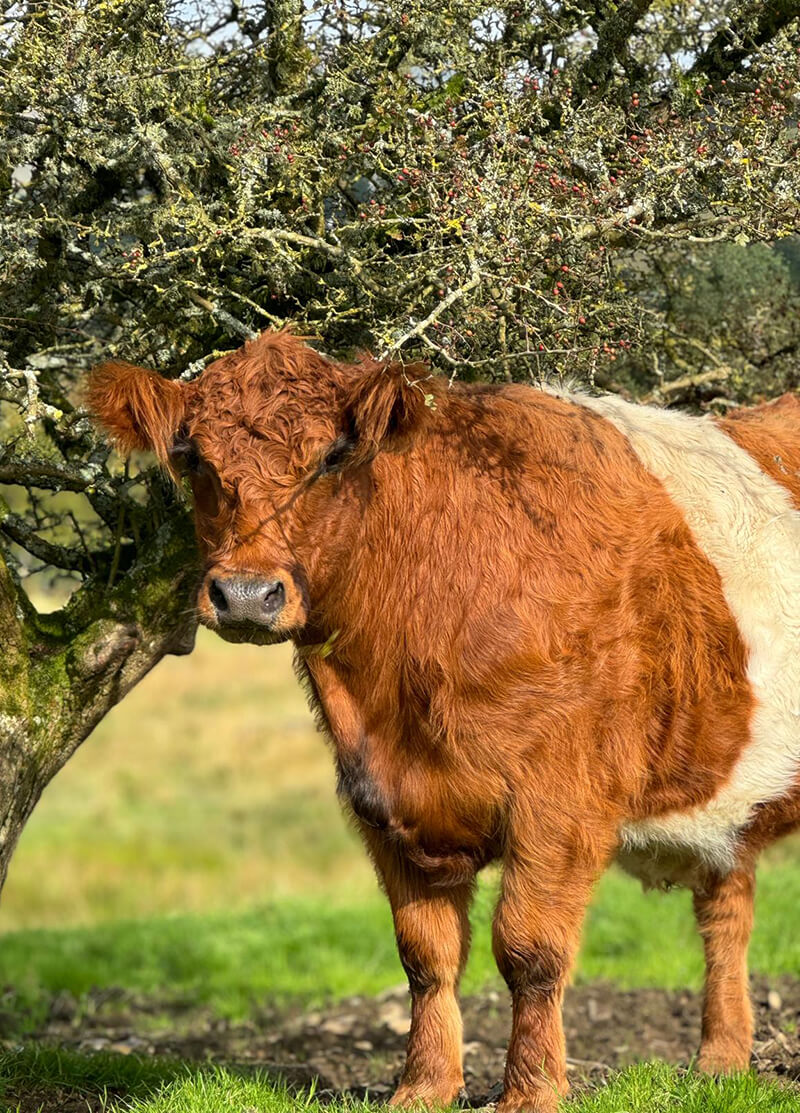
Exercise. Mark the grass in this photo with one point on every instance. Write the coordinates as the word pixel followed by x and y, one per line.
pixel 312 949
pixel 658 1088
pixel 229 962
pixel 102 1074
pixel 207 787
pixel 127 1084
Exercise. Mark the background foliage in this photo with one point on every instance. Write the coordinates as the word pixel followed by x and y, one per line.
pixel 587 189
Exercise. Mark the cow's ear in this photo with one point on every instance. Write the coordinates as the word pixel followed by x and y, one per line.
pixel 137 408
pixel 385 404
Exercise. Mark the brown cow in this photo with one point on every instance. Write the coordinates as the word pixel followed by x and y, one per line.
pixel 547 630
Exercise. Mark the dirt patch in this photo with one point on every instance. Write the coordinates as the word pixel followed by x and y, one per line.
pixel 357 1045
pixel 57 1100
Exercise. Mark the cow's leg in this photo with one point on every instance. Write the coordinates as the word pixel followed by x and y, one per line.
pixel 536 934
pixel 724 911
pixel 432 930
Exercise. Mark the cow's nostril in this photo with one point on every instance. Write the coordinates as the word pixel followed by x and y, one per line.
pixel 218 598
pixel 274 597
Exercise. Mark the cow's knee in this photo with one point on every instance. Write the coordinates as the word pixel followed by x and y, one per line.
pixel 534 970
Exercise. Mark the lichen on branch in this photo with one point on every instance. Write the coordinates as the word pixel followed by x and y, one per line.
pixel 601 191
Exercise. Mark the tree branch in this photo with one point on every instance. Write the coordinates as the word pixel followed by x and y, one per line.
pixel 419 329
pixel 231 323
pixel 686 383
pixel 12 615
pixel 59 556
pixel 755 25
pixel 30 471
pixel 285 44
pixel 612 38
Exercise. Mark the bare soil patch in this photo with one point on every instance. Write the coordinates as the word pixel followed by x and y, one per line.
pixel 356 1046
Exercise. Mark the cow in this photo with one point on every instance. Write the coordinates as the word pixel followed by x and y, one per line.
pixel 548 629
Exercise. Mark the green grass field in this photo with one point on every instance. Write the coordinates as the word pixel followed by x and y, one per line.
pixel 313 949
pixel 193 851
pixel 163 1086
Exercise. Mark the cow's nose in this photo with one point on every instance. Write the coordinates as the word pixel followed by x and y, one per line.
pixel 245 600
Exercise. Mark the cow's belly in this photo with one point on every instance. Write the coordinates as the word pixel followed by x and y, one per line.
pixel 662 867
pixel 684 848
pixel 666 849
pixel 677 850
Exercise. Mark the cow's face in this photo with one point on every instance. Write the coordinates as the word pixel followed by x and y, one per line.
pixel 259 438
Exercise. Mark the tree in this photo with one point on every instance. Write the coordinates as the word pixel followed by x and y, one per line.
pixel 512 190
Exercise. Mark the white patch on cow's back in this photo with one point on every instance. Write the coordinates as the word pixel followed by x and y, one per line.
pixel 747 526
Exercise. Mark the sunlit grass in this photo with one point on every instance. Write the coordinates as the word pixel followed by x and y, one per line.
pixel 207 787
pixel 312 949
pixel 126 1083
pixel 658 1088
pixel 35 1068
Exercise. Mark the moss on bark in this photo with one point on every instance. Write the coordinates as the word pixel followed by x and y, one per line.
pixel 56 687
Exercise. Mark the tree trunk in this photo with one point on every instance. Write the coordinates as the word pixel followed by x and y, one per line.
pixel 60 674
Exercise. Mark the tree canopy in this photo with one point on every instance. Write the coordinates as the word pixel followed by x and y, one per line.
pixel 605 191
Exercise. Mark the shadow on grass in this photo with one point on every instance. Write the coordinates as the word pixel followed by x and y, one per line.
pixel 50 1079
pixel 37 1079
pixel 43 1080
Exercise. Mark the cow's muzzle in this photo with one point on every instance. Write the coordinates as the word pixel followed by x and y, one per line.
pixel 246 601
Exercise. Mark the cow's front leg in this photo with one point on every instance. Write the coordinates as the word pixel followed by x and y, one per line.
pixel 432 930
pixel 724 911
pixel 536 934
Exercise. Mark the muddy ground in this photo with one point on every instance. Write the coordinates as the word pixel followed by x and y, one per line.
pixel 356 1046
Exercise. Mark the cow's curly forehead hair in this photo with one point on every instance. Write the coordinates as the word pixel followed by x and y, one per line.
pixel 267 410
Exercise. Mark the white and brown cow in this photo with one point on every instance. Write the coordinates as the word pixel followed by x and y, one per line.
pixel 550 630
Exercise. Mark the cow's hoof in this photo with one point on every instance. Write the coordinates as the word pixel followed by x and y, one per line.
pixel 723 1057
pixel 426 1095
pixel 543 1100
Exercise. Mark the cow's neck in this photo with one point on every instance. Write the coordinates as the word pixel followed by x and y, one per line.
pixel 396 776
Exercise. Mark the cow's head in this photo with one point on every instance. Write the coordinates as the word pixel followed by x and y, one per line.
pixel 263 437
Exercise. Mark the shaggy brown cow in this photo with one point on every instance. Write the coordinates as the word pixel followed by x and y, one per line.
pixel 551 630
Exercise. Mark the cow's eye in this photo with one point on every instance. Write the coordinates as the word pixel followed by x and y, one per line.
pixel 193 460
pixel 336 456
pixel 186 458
